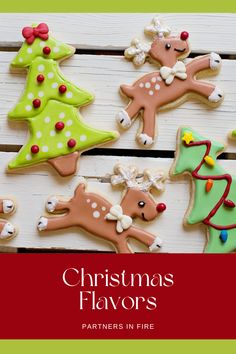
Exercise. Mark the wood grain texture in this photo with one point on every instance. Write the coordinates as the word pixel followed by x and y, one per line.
pixel 208 31
pixel 32 187
pixel 103 76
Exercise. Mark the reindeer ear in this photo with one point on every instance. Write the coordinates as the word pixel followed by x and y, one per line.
pixel 81 186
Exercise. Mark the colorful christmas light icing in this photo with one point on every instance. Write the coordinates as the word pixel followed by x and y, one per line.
pixel 214 206
pixel 57 133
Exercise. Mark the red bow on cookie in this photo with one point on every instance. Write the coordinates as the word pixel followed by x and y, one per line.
pixel 30 33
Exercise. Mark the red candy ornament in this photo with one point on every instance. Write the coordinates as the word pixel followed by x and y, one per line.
pixel 160 207
pixel 36 103
pixel 71 143
pixel 184 35
pixel 46 50
pixel 40 78
pixel 59 125
pixel 62 88
pixel 34 149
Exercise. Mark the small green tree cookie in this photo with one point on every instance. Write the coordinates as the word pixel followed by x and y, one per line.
pixel 48 104
pixel 213 195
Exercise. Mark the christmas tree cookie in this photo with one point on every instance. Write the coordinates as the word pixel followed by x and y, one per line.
pixel 213 196
pixel 49 105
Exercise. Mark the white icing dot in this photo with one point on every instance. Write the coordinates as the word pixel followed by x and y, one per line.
pixel 59 145
pixel 39 134
pixel 147 85
pixel 159 78
pixel 94 205
pixel 28 157
pixel 41 67
pixel 20 60
pixel 28 108
pixel 83 137
pixel 56 49
pixel 103 208
pixel 45 148
pixel 52 133
pixel 42 44
pixel 62 115
pixel 41 93
pixel 50 75
pixel 141 84
pixel 69 123
pixel 30 96
pixel 157 87
pixel 150 92
pixel 154 79
pixel 88 200
pixel 68 134
pixel 69 94
pixel 47 119
pixel 96 214
pixel 55 85
pixel 29 50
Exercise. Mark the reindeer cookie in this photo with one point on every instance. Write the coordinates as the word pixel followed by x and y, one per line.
pixel 7 230
pixel 113 223
pixel 171 85
pixel 213 196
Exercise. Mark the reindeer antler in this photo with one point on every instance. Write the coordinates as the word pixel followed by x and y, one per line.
pixel 126 175
pixel 156 28
pixel 155 180
pixel 138 51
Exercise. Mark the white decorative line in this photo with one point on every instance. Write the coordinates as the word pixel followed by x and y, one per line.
pixel 123 221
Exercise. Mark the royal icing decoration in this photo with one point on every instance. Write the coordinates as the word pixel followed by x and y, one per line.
pixel 114 223
pixel 214 189
pixel 49 105
pixel 7 230
pixel 173 83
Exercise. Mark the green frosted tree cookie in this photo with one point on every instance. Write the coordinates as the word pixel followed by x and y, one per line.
pixel 48 104
pixel 213 195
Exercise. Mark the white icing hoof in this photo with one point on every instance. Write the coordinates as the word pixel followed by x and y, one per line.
pixel 7 231
pixel 7 206
pixel 216 96
pixel 51 204
pixel 215 61
pixel 42 224
pixel 123 119
pixel 144 139
pixel 156 245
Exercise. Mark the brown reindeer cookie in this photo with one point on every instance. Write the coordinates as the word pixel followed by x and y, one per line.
pixel 99 217
pixel 171 85
pixel 7 230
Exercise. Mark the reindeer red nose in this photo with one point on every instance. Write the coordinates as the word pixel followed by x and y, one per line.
pixel 160 207
pixel 184 35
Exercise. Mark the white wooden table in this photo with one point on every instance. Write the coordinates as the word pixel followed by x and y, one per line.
pixel 96 36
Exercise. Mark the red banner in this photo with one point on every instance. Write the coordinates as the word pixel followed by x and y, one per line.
pixel 107 296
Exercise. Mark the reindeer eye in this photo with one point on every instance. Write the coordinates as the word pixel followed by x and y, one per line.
pixel 141 204
pixel 168 45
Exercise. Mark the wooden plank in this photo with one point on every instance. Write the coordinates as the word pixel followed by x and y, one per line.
pixel 208 31
pixel 32 187
pixel 103 76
